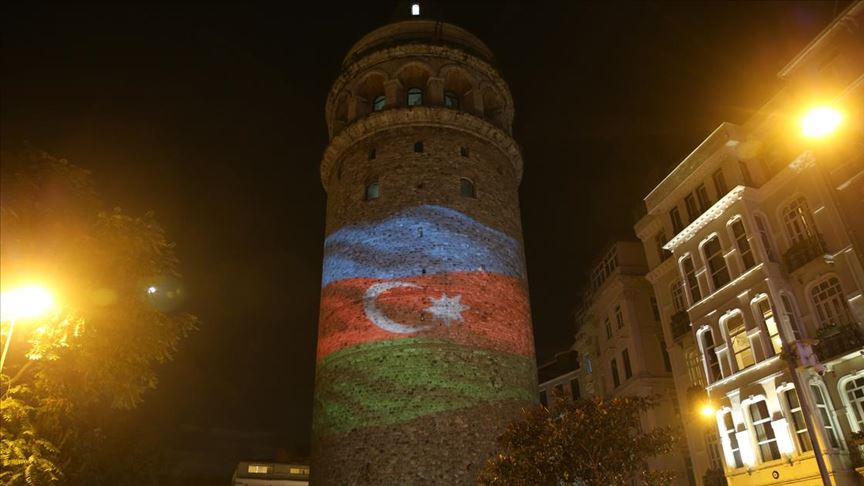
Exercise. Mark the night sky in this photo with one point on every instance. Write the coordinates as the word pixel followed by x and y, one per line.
pixel 213 116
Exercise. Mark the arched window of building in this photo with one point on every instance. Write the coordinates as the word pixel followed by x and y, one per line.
pixel 831 307
pixel 739 235
pixel 373 190
pixel 716 263
pixel 854 391
pixel 823 408
pixel 379 103
pixel 729 432
pixel 414 97
pixel 765 438
pixel 762 309
pixel 694 367
pixel 765 236
pixel 789 310
pixel 796 420
pixel 451 100
pixel 742 353
pixel 797 221
pixel 689 272
pixel 712 362
pixel 466 188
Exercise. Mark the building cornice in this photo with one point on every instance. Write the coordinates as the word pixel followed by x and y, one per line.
pixel 712 213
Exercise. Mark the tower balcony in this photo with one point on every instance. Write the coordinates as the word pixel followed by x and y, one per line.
pixel 803 252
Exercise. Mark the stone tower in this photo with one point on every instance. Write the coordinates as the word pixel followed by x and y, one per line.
pixel 425 346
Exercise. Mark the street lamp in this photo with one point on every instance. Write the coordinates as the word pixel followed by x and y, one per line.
pixel 821 121
pixel 22 303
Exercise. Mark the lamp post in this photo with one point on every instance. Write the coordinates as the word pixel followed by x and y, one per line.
pixel 21 303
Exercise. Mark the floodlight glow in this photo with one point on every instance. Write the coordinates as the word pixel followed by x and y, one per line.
pixel 820 122
pixel 707 410
pixel 415 9
pixel 24 302
pixel 151 290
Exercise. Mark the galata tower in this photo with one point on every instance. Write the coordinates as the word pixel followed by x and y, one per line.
pixel 425 347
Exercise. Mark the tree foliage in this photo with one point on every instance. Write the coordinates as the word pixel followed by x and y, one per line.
pixel 73 373
pixel 586 442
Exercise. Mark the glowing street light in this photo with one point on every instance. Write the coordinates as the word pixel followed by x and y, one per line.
pixel 707 410
pixel 22 303
pixel 821 122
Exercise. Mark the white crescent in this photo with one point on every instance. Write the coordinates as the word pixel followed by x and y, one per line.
pixel 378 318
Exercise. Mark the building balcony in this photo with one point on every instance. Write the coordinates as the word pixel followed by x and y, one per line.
pixel 838 340
pixel 680 325
pixel 803 252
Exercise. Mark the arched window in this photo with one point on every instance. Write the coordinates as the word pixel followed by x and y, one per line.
pixel 739 234
pixel 742 353
pixel 415 97
pixel 765 236
pixel 451 100
pixel 716 262
pixel 831 307
pixel 466 188
pixel 373 190
pixel 764 310
pixel 706 339
pixel 690 276
pixel 379 103
pixel 797 221
pixel 854 390
pixel 694 367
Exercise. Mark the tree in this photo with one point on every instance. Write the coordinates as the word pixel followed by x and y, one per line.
pixel 72 375
pixel 584 442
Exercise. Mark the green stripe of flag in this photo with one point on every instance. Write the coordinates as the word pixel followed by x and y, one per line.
pixel 387 382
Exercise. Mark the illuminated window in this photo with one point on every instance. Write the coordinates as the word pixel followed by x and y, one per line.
pixel 796 417
pixel 744 250
pixel 373 191
pixel 675 216
pixel 625 358
pixel 796 220
pixel 720 183
pixel 765 437
pixel 259 469
pixel 767 314
pixel 415 9
pixel 711 359
pixel 716 262
pixel 694 367
pixel 729 430
pixel 616 380
pixel 825 414
pixel 418 147
pixel 415 97
pixel 466 188
pixel 679 301
pixel 379 103
pixel 854 390
pixel 741 350
pixel 451 100
pixel 831 307
pixel 692 282
pixel 619 317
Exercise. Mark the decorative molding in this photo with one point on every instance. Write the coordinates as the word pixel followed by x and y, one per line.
pixel 714 212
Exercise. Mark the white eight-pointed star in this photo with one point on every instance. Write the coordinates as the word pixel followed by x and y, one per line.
pixel 447 309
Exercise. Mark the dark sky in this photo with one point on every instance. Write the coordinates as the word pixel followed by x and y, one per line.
pixel 213 116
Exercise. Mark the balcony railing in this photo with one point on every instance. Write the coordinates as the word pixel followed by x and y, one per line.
pixel 838 340
pixel 804 251
pixel 680 324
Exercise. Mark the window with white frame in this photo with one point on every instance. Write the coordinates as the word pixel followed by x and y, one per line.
pixel 679 301
pixel 742 353
pixel 763 307
pixel 744 250
pixel 797 221
pixel 854 390
pixel 711 360
pixel 729 432
pixel 765 438
pixel 831 307
pixel 796 420
pixel 716 263
pixel 824 410
pixel 689 272
pixel 765 236
pixel 789 310
pixel 694 367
